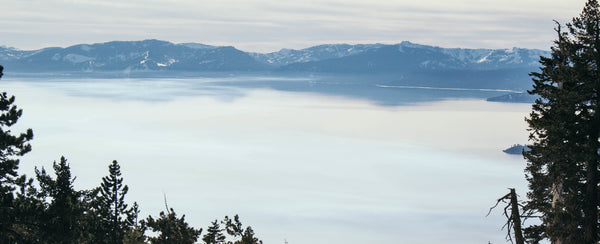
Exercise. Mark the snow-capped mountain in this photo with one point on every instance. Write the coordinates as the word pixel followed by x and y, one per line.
pixel 130 55
pixel 407 56
pixel 155 55
pixel 316 53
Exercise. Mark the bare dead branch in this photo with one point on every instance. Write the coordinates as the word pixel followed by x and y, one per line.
pixel 498 202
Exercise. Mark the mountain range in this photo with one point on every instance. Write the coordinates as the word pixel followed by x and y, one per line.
pixel 409 63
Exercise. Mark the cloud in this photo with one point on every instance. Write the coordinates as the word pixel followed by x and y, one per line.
pixel 268 25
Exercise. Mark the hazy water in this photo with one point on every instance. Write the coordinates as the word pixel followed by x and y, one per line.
pixel 305 167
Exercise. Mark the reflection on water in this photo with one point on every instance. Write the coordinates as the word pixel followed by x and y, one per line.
pixel 306 167
pixel 381 92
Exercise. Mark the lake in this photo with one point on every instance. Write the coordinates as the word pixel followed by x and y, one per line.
pixel 302 159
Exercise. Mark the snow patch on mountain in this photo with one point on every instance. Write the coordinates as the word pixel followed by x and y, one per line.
pixel 168 63
pixel 145 58
pixel 76 58
pixel 485 58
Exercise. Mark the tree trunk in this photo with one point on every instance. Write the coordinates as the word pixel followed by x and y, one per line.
pixel 557 197
pixel 591 204
pixel 516 217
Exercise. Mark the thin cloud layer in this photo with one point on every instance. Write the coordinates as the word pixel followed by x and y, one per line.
pixel 269 25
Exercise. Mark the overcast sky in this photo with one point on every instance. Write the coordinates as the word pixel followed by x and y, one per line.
pixel 269 25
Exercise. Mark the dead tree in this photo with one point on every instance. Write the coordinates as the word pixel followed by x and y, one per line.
pixel 513 219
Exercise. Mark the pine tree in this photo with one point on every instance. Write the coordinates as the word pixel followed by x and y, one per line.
pixel 585 30
pixel 248 237
pixel 214 234
pixel 11 146
pixel 234 228
pixel 135 235
pixel 90 225
pixel 172 229
pixel 116 219
pixel 28 209
pixel 564 126
pixel 64 213
pixel 553 168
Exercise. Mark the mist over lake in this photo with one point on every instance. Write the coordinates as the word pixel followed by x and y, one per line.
pixel 369 164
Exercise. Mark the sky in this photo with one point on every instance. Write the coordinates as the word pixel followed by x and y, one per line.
pixel 270 25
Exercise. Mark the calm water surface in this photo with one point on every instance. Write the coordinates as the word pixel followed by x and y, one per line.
pixel 297 165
